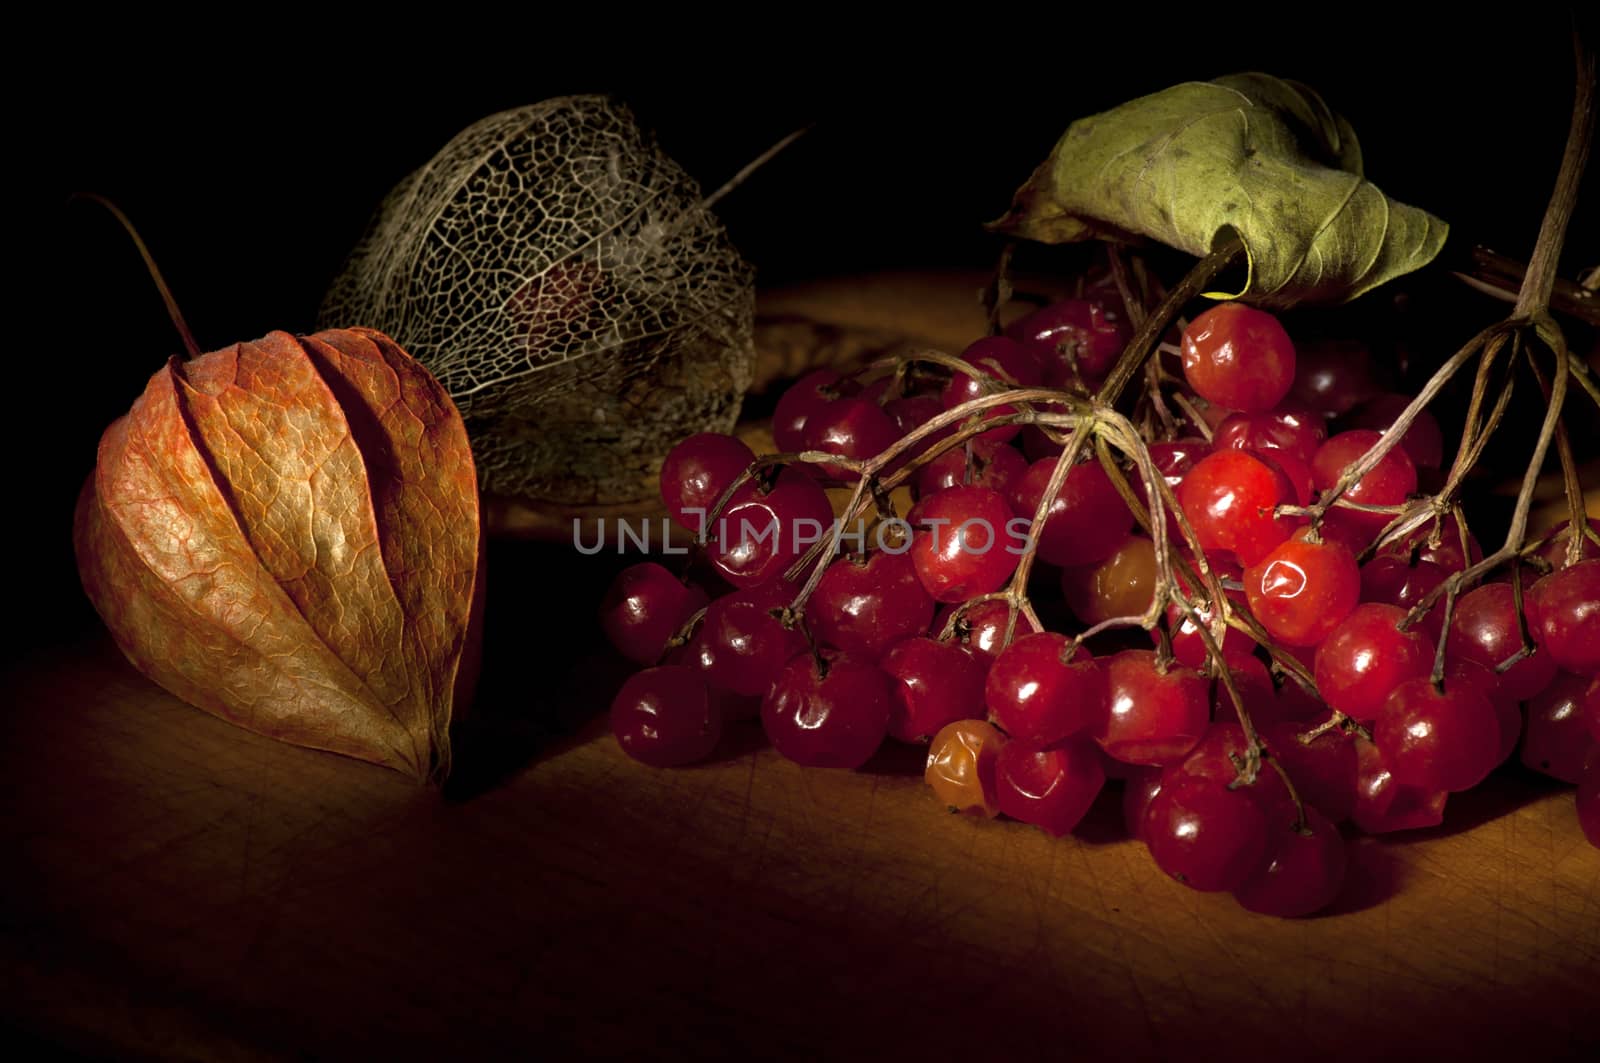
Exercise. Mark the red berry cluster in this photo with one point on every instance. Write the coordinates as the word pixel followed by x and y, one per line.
pixel 1318 657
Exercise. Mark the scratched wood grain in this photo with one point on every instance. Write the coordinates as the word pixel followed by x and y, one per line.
pixel 182 888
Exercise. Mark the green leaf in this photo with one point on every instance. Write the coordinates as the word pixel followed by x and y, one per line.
pixel 1254 154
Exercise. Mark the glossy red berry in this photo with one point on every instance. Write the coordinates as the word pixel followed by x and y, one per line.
pixel 1438 739
pixel 664 717
pixel 1087 521
pixel 851 428
pixel 1187 645
pixel 1040 692
pixel 1239 357
pixel 998 363
pixel 741 646
pixel 965 545
pixel 1366 657
pixel 1324 772
pixel 1383 804
pixel 1558 741
pixel 695 474
pixel 937 683
pixel 979 464
pixel 765 529
pixel 1205 835
pixel 1220 755
pixel 1291 427
pixel 828 713
pixel 1386 484
pixel 1484 629
pixel 1333 377
pixel 1050 788
pixel 982 628
pixel 644 607
pixel 864 605
pixel 1231 499
pixel 1301 874
pixel 803 398
pixel 1424 440
pixel 1302 590
pixel 1554 552
pixel 1075 339
pixel 1152 717
pixel 1566 604
pixel 1138 791
pixel 1172 462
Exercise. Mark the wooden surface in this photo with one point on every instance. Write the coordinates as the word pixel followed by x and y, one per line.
pixel 180 887
pixel 176 887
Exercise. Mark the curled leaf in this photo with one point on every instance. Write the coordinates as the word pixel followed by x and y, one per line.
pixel 285 534
pixel 1262 157
pixel 564 280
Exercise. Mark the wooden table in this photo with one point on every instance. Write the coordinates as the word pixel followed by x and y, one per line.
pixel 179 888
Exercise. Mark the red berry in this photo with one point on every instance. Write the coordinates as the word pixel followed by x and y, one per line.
pixel 1558 740
pixel 1300 875
pixel 1239 357
pixel 1383 804
pixel 828 713
pixel 995 361
pixel 1219 756
pixel 1187 645
pixel 765 529
pixel 982 628
pixel 741 646
pixel 644 607
pixel 1152 718
pixel 863 605
pixel 1438 739
pixel 1333 377
pixel 1324 772
pixel 1205 835
pixel 1302 590
pixel 1555 551
pixel 1387 484
pixel 937 683
pixel 1423 442
pixel 1173 462
pixel 998 468
pixel 697 471
pixel 1038 692
pixel 851 428
pixel 1566 604
pixel 664 717
pixel 1484 629
pixel 1051 788
pixel 1366 657
pixel 803 398
pixel 965 545
pixel 1291 427
pixel 1087 521
pixel 1230 499
pixel 1075 338
pixel 1137 793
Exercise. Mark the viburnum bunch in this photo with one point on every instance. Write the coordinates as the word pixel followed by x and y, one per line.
pixel 1327 642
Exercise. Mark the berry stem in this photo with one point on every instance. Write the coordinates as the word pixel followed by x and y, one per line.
pixel 1145 338
pixel 190 347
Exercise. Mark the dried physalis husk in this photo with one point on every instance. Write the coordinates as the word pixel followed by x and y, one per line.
pixel 285 534
pixel 564 280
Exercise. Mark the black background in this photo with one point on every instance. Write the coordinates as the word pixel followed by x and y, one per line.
pixel 252 162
